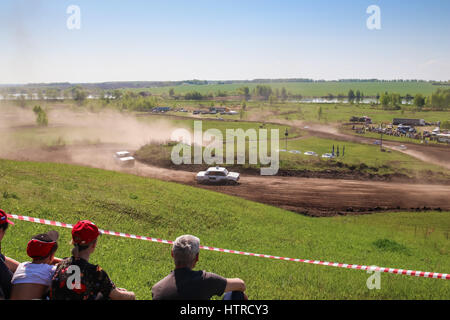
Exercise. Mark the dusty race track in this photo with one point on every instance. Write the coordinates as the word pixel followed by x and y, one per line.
pixel 311 196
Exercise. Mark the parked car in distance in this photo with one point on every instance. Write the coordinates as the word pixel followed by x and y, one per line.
pixel 217 175
pixel 124 159
pixel 327 156
pixel 311 153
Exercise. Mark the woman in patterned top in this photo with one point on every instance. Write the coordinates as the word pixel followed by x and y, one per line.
pixel 77 279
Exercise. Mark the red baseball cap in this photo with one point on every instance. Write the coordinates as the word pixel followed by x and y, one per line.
pixel 4 218
pixel 84 232
pixel 41 245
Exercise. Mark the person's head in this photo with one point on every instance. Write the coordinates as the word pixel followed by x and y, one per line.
pixel 42 247
pixel 185 251
pixel 4 223
pixel 84 237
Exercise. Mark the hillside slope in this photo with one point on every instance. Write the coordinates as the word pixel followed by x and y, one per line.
pixel 142 206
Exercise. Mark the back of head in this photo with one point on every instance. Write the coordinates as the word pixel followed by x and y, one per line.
pixel 185 250
pixel 84 234
pixel 43 246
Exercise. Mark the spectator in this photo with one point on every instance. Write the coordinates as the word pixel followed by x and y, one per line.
pixel 7 265
pixel 76 279
pixel 185 284
pixel 32 280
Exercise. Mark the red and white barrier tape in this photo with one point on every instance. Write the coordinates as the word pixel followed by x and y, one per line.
pixel 423 274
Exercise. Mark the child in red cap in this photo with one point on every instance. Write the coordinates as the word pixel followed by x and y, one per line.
pixel 33 279
pixel 76 279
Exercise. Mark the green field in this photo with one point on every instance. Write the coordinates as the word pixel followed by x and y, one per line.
pixel 356 154
pixel 338 113
pixel 309 89
pixel 126 203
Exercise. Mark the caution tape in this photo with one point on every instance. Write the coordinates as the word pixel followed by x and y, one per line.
pixel 423 274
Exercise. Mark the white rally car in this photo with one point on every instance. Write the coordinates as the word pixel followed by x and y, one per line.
pixel 217 175
pixel 124 159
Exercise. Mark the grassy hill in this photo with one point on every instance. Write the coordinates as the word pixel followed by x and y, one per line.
pixel 137 205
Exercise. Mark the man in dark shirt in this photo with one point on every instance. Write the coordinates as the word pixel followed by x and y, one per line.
pixel 76 279
pixel 6 265
pixel 186 284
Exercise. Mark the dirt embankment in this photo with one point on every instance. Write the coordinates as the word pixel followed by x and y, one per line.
pixel 310 196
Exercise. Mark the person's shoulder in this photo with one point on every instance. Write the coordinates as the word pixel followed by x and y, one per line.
pixel 163 280
pixel 96 270
pixel 48 267
pixel 207 275
pixel 23 265
pixel 64 262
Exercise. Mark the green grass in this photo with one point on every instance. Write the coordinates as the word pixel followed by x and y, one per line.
pixel 306 89
pixel 355 155
pixel 137 205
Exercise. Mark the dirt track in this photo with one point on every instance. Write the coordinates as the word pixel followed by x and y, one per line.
pixel 317 197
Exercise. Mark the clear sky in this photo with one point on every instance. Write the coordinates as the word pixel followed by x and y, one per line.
pixel 124 40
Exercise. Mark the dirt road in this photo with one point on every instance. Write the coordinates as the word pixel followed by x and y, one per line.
pixel 311 196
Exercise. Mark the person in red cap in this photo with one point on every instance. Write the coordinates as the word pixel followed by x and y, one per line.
pixel 32 280
pixel 7 265
pixel 76 279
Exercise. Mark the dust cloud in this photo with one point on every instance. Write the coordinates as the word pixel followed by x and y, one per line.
pixel 80 137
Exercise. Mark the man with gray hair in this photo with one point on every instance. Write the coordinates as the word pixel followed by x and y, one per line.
pixel 186 284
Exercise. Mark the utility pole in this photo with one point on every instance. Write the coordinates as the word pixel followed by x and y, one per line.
pixel 381 132
pixel 286 136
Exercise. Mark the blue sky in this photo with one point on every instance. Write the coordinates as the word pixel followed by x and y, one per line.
pixel 174 40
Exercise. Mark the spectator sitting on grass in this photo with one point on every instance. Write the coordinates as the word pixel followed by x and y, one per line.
pixel 32 280
pixel 7 265
pixel 185 284
pixel 76 279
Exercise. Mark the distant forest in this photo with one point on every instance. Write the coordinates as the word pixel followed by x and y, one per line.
pixel 150 84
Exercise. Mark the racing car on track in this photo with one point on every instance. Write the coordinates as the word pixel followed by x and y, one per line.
pixel 124 159
pixel 217 175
